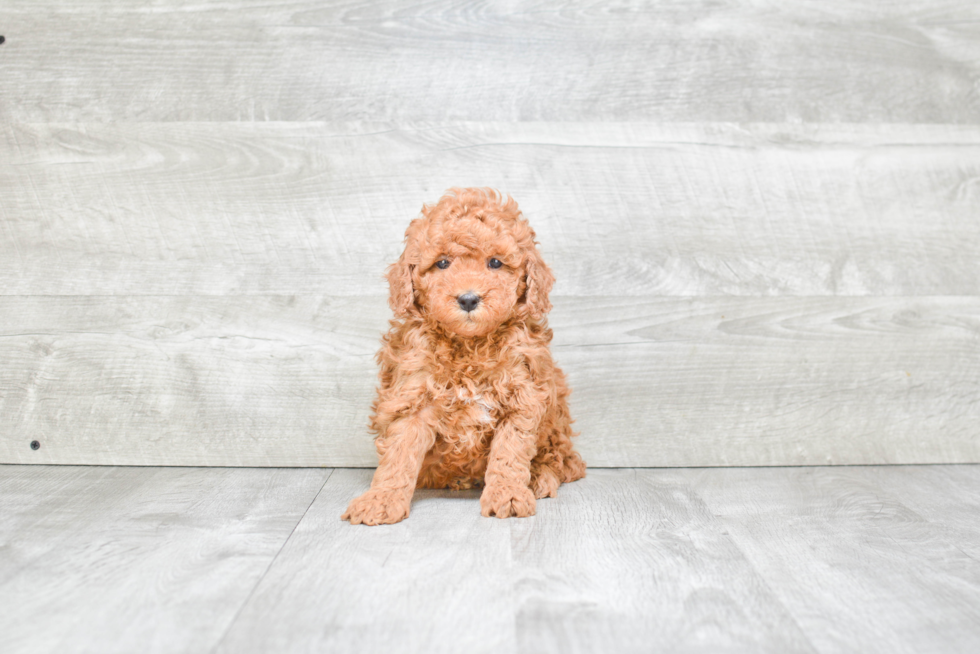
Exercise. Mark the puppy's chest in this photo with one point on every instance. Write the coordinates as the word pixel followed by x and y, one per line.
pixel 472 407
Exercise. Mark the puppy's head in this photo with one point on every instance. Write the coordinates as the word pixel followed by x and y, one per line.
pixel 470 263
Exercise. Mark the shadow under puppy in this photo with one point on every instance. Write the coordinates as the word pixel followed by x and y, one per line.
pixel 469 393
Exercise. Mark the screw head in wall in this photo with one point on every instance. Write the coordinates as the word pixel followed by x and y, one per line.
pixel 35 445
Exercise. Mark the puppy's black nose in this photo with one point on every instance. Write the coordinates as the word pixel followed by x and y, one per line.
pixel 468 301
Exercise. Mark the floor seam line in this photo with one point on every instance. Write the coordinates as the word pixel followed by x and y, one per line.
pixel 251 593
pixel 722 521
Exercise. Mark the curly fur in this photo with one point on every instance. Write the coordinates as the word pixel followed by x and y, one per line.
pixel 469 398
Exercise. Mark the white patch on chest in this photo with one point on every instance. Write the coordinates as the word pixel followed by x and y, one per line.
pixel 485 405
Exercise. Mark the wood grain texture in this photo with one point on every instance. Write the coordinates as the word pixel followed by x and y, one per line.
pixel 838 61
pixel 857 568
pixel 190 380
pixel 827 559
pixel 952 505
pixel 437 582
pixel 788 381
pixel 620 209
pixel 647 568
pixel 197 202
pixel 288 381
pixel 137 559
pixel 611 565
pixel 639 560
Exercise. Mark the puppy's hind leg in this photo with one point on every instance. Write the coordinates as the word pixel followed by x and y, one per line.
pixel 549 471
pixel 544 481
pixel 546 474
pixel 573 467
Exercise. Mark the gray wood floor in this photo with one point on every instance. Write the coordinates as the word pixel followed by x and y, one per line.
pixel 763 219
pixel 825 559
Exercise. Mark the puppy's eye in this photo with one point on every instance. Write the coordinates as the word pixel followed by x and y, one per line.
pixel 494 263
pixel 442 264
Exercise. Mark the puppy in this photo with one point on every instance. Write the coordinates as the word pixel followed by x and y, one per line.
pixel 469 395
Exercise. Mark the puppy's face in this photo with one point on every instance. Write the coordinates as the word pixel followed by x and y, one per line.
pixel 470 263
pixel 470 279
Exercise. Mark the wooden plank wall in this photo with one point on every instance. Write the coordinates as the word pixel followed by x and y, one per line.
pixel 764 219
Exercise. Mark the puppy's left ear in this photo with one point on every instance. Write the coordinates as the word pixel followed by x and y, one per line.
pixel 538 280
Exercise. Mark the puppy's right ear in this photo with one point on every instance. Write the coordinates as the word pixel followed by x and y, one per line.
pixel 401 290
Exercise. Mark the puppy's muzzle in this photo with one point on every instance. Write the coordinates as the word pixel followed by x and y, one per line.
pixel 468 301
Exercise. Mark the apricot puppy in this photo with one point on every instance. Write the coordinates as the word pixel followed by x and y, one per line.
pixel 469 394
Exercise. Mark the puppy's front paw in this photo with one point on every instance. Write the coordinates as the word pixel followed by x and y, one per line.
pixel 377 507
pixel 507 500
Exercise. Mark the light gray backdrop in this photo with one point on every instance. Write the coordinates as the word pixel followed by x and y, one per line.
pixel 764 218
